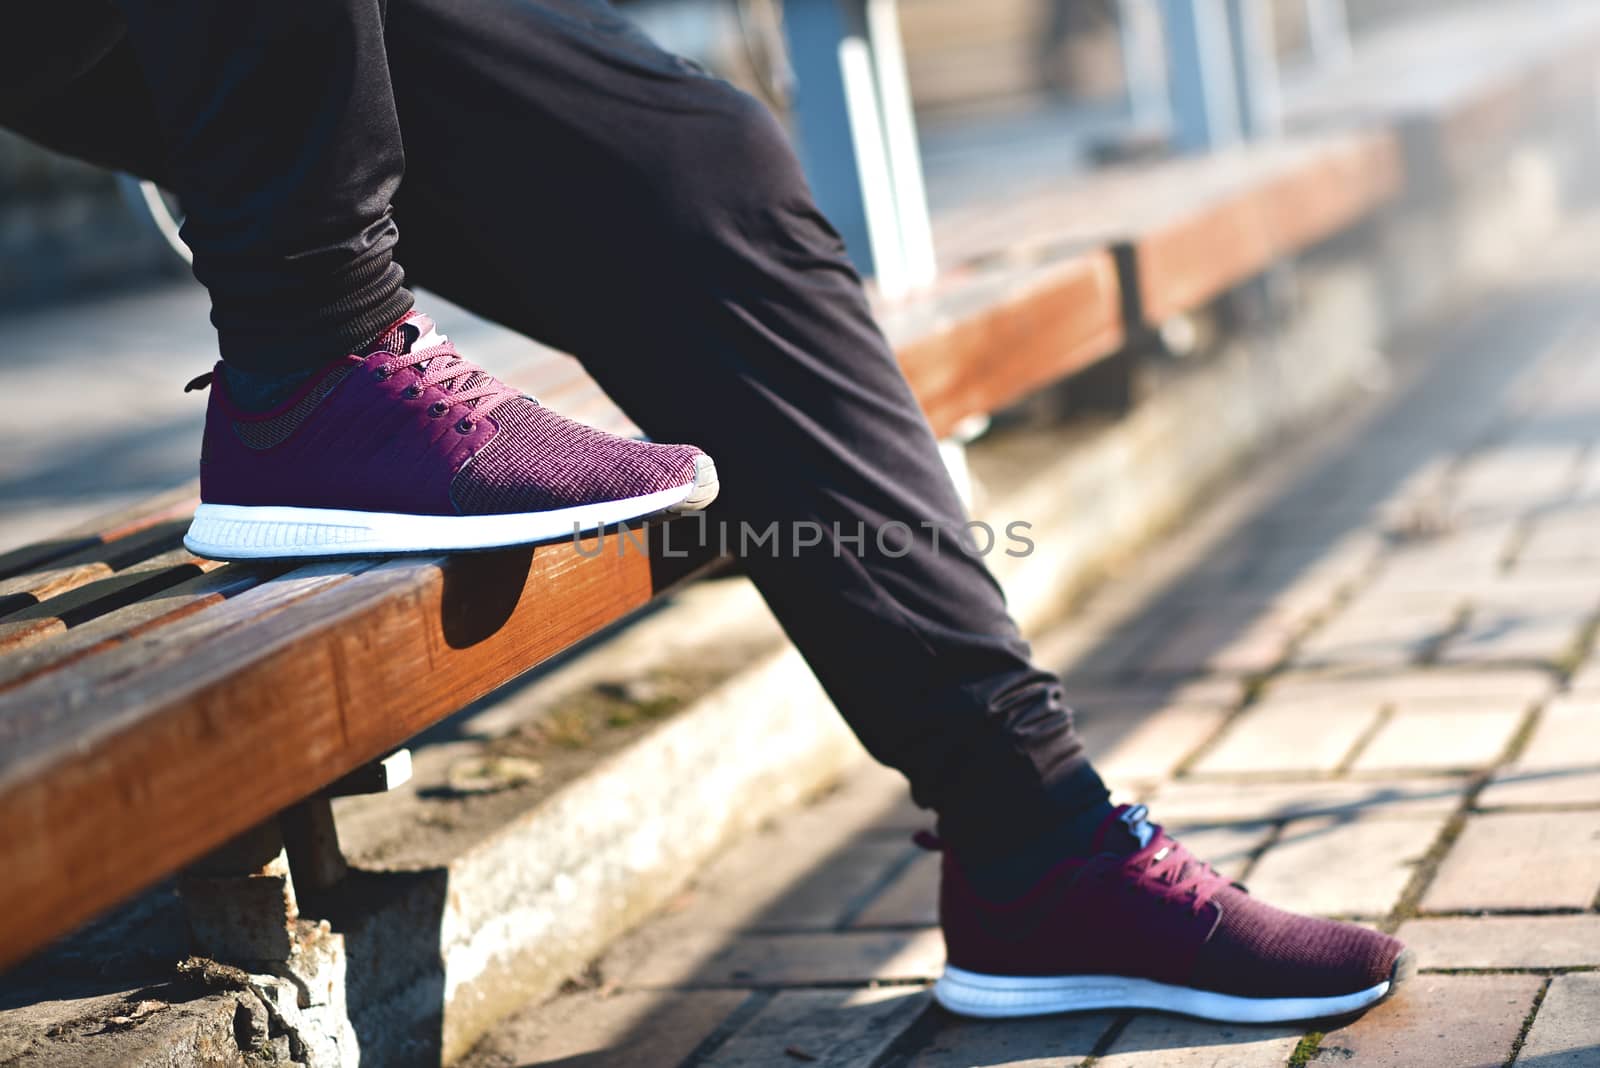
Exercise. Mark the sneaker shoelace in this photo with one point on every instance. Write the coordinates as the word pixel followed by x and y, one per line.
pixel 1163 867
pixel 1170 871
pixel 438 364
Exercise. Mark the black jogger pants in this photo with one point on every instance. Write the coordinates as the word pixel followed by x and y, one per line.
pixel 541 162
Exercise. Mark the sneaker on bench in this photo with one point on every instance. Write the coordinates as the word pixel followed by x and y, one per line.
pixel 408 447
pixel 1142 924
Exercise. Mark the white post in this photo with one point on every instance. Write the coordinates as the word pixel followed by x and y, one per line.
pixel 872 163
pixel 858 137
pixel 900 138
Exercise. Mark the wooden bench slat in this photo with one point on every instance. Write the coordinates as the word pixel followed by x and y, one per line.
pixel 100 597
pixel 24 591
pixel 1032 326
pixel 173 505
pixel 152 610
pixel 94 562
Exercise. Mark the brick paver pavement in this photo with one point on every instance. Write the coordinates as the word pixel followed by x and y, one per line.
pixel 1392 714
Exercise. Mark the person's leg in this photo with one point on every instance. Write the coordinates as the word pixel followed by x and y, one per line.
pixel 336 426
pixel 279 132
pixel 568 178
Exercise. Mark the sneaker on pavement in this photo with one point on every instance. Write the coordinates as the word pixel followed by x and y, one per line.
pixel 1142 924
pixel 408 447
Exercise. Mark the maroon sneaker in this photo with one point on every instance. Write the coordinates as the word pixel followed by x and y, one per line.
pixel 1147 926
pixel 410 448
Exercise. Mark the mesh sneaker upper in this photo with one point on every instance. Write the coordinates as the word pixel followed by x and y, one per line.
pixel 1144 907
pixel 409 426
pixel 275 430
pixel 1259 950
pixel 540 460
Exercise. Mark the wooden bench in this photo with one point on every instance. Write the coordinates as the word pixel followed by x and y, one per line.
pixel 154 705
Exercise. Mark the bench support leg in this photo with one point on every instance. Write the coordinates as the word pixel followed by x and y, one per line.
pixel 1107 387
pixel 312 843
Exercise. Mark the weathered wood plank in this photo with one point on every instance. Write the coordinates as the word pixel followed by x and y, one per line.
pixel 22 594
pixel 151 611
pixel 173 505
pixel 99 597
pixel 1188 261
pixel 994 340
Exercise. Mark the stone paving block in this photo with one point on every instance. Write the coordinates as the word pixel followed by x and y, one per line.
pixel 1517 477
pixel 1279 735
pixel 1158 744
pixel 1505 941
pixel 620 1030
pixel 806 870
pixel 1515 634
pixel 912 900
pixel 1236 636
pixel 1463 1021
pixel 1312 573
pixel 1383 686
pixel 1334 867
pixel 1041 1042
pixel 1566 536
pixel 1227 847
pixel 818 899
pixel 1560 764
pixel 1440 736
pixel 1175 1042
pixel 1586 680
pixel 1566 1032
pixel 1543 583
pixel 1442 545
pixel 1520 860
pixel 827 1028
pixel 710 959
pixel 1106 644
pixel 1218 802
pixel 1099 700
pixel 1442 578
pixel 1373 639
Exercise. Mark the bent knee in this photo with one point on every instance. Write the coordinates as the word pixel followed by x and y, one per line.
pixel 731 172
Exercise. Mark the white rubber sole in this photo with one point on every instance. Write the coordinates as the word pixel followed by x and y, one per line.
pixel 998 997
pixel 239 532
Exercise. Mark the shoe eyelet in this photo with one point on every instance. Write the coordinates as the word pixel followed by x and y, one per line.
pixel 383 373
pixel 437 408
pixel 465 426
pixel 412 392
